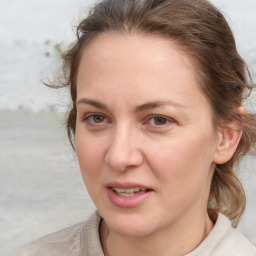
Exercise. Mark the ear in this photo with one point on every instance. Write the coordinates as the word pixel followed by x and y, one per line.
pixel 228 139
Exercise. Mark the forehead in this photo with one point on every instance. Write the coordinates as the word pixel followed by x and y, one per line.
pixel 135 47
pixel 144 66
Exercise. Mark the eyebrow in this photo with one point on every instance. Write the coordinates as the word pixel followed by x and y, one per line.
pixel 91 102
pixel 156 104
pixel 140 108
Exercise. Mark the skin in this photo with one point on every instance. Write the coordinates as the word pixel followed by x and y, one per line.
pixel 119 138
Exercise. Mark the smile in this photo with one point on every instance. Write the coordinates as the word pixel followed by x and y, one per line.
pixel 128 192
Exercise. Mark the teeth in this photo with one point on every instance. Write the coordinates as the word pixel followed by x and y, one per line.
pixel 120 190
pixel 128 191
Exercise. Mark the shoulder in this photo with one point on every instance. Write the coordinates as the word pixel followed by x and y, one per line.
pixel 63 242
pixel 66 242
pixel 234 243
pixel 224 240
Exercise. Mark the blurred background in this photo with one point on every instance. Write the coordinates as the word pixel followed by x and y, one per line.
pixel 40 185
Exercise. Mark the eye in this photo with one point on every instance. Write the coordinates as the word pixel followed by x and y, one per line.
pixel 97 118
pixel 159 121
pixel 94 119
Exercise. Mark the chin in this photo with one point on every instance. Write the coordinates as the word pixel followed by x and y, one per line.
pixel 131 225
pixel 130 230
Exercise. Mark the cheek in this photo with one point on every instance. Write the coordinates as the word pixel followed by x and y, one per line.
pixel 182 164
pixel 90 154
pixel 90 157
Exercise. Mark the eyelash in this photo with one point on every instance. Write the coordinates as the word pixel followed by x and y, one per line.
pixel 167 120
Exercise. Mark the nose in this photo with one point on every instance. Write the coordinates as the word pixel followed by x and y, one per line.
pixel 123 152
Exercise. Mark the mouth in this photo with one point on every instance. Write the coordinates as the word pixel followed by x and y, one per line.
pixel 129 192
pixel 128 195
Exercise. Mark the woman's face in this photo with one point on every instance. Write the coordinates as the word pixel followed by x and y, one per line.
pixel 144 134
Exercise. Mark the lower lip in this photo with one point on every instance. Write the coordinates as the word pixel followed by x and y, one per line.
pixel 127 202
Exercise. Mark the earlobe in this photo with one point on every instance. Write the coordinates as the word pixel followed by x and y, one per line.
pixel 227 142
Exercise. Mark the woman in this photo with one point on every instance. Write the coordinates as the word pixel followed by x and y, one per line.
pixel 158 124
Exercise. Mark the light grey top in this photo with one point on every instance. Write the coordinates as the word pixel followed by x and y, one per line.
pixel 83 239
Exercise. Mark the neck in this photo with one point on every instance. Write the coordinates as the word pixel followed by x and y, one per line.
pixel 169 241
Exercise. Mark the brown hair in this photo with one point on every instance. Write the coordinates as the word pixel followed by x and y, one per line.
pixel 202 31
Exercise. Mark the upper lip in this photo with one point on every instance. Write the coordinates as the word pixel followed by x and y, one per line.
pixel 126 185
